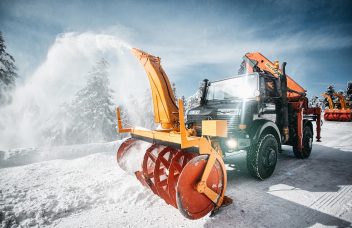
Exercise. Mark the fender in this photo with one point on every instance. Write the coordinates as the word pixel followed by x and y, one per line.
pixel 259 126
pixel 309 124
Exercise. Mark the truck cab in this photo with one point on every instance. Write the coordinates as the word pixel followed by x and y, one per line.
pixel 252 106
pixel 241 100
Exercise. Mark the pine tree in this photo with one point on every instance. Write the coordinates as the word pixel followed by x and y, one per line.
pixel 8 73
pixel 146 105
pixel 194 100
pixel 54 133
pixel 174 90
pixel 93 118
pixel 140 110
pixel 184 101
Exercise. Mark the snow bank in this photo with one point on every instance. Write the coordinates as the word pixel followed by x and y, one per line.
pixel 22 156
pixel 337 135
pixel 45 193
pixel 74 186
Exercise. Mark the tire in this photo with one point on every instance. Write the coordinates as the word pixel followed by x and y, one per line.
pixel 307 144
pixel 262 157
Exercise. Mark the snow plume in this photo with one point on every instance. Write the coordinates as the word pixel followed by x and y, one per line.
pixel 60 76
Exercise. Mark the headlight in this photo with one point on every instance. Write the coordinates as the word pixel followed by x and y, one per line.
pixel 231 143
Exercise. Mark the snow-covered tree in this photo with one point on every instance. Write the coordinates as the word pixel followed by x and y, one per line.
pixel 315 102
pixel 93 116
pixel 146 107
pixel 184 101
pixel 140 110
pixel 194 100
pixel 174 90
pixel 90 116
pixel 8 73
pixel 54 131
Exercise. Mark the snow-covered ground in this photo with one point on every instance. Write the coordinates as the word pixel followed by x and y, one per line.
pixel 82 186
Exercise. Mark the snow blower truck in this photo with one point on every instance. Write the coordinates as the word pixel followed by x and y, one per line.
pixel 337 105
pixel 256 111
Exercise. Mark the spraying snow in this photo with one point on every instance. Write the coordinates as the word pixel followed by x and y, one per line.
pixel 61 75
pixel 135 154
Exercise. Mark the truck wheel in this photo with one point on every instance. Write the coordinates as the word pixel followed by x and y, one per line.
pixel 262 157
pixel 307 144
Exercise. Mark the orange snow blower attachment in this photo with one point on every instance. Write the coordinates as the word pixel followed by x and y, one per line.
pixel 184 170
pixel 337 111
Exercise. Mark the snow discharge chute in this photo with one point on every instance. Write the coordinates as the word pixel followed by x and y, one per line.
pixel 183 169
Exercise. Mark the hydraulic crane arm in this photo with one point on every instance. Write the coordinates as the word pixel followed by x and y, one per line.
pixel 165 108
pixel 256 61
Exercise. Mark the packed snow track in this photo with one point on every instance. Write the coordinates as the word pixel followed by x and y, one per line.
pixel 82 186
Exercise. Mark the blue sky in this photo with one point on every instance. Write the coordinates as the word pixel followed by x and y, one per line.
pixel 195 39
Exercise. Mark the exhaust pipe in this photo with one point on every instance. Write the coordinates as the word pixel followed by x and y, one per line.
pixel 284 110
pixel 204 92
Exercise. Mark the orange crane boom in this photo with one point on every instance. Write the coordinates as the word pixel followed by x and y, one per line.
pixel 256 60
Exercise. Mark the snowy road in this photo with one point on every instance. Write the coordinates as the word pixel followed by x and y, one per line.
pixel 85 188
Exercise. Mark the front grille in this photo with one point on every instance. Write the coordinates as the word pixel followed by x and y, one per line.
pixel 232 123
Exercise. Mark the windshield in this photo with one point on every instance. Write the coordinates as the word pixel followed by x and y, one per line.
pixel 242 86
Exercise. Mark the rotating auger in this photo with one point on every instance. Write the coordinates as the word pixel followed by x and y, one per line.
pixel 184 170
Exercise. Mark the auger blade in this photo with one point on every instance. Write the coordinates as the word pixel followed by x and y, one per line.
pixel 161 172
pixel 191 203
pixel 148 165
pixel 173 175
pixel 178 162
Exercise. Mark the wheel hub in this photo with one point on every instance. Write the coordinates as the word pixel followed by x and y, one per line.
pixel 270 158
pixel 310 142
